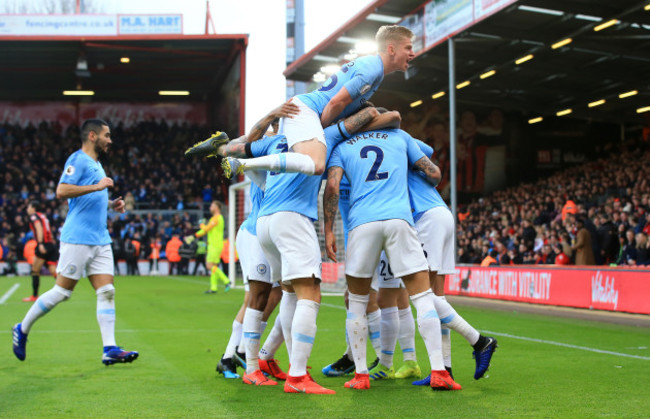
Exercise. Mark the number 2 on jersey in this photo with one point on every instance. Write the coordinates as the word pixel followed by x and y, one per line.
pixel 379 158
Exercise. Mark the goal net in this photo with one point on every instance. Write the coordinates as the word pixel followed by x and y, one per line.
pixel 239 206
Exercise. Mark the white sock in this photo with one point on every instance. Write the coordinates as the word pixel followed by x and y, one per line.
pixel 43 305
pixel 263 325
pixel 357 327
pixel 429 327
pixel 407 334
pixel 454 321
pixel 273 340
pixel 303 333
pixel 287 310
pixel 282 163
pixel 251 331
pixel 446 345
pixel 241 345
pixel 374 330
pixel 389 330
pixel 235 337
pixel 106 313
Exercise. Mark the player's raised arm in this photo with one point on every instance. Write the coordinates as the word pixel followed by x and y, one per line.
pixel 330 206
pixel 67 190
pixel 286 110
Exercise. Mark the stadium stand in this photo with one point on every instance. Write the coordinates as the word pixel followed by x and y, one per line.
pixel 144 163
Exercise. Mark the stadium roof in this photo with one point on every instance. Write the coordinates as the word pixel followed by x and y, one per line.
pixel 41 68
pixel 595 65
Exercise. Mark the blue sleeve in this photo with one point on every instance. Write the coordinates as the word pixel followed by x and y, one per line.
pixel 261 147
pixel 426 148
pixel 364 79
pixel 412 150
pixel 358 85
pixel 73 170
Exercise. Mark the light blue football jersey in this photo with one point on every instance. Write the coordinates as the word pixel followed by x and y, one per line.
pixel 256 195
pixel 376 163
pixel 360 77
pixel 87 214
pixel 295 192
pixel 424 195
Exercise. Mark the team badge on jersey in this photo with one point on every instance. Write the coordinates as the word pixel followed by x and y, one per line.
pixel 261 269
pixel 69 170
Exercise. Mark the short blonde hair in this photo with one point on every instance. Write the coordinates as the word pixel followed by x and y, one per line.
pixel 391 33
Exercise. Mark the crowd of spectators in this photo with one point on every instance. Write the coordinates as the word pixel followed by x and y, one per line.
pixel 595 213
pixel 145 161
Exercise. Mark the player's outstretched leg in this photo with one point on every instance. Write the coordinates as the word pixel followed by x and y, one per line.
pixel 19 342
pixel 208 147
pixel 483 351
pixel 232 167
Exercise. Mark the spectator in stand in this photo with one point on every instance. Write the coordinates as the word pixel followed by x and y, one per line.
pixel 186 252
pixel 490 259
pixel 546 257
pixel 582 246
pixel 131 256
pixel 201 251
pixel 642 252
pixel 173 256
pixel 608 238
pixel 129 200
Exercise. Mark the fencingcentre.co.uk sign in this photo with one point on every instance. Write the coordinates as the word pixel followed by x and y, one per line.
pixel 91 25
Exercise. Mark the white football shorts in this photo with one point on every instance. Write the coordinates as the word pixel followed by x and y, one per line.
pixel 290 245
pixel 436 231
pixel 254 265
pixel 383 276
pixel 304 126
pixel 77 259
pixel 396 237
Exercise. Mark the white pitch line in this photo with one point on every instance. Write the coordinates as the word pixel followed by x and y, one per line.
pixel 567 345
pixel 548 342
pixel 9 293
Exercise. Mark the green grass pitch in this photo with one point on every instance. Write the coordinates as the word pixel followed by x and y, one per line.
pixel 544 367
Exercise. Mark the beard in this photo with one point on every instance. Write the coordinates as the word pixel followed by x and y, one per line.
pixel 101 150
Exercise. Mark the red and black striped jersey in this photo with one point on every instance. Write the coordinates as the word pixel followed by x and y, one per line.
pixel 45 224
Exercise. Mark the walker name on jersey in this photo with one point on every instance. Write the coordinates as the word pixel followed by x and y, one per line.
pixel 368 136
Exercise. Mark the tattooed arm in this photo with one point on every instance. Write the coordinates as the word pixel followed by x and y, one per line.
pixel 330 206
pixel 237 148
pixel 391 119
pixel 286 110
pixel 430 171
